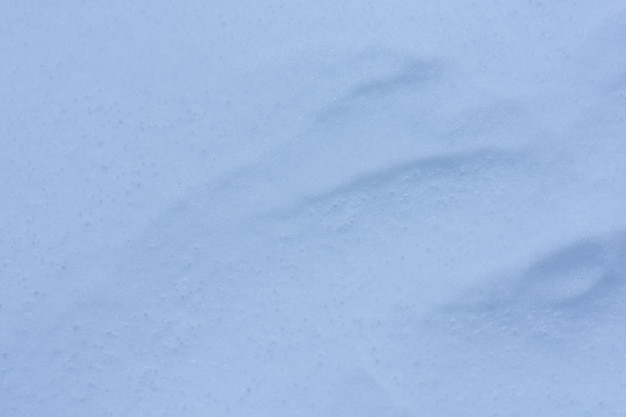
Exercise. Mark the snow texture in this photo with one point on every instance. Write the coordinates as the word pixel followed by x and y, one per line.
pixel 399 208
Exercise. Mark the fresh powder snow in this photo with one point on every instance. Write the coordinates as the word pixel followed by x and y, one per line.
pixel 313 208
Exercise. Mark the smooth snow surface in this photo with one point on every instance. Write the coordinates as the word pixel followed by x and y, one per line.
pixel 322 208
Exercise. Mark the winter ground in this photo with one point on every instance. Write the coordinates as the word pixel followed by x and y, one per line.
pixel 313 208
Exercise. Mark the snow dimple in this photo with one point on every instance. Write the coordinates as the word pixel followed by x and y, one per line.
pixel 568 289
pixel 412 74
pixel 407 78
pixel 583 276
pixel 569 275
pixel 404 176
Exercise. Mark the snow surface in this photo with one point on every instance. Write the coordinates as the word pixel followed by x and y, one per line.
pixel 399 208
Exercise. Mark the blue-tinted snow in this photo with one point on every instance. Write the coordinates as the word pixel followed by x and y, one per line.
pixel 313 208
